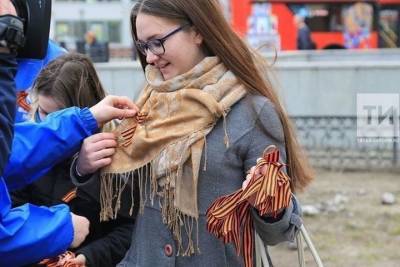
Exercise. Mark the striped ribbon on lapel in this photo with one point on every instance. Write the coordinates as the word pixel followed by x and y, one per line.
pixel 70 195
pixel 229 217
pixel 22 102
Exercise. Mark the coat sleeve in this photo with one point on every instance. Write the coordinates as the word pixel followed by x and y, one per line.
pixel 37 147
pixel 7 106
pixel 111 248
pixel 268 131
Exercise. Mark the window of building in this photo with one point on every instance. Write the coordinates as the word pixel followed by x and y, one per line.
pixel 72 31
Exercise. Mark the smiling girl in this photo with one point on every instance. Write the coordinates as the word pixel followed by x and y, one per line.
pixel 210 114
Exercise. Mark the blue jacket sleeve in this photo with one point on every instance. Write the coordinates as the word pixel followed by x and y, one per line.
pixel 29 233
pixel 7 106
pixel 37 147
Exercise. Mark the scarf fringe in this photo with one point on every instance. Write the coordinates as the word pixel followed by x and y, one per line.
pixel 178 221
pixel 226 136
pixel 205 153
pixel 113 185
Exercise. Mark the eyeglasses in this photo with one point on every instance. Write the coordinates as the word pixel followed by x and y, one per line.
pixel 156 46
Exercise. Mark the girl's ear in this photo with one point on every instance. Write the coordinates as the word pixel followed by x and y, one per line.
pixel 198 38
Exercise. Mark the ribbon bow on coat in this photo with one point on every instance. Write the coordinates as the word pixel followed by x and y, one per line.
pixel 229 217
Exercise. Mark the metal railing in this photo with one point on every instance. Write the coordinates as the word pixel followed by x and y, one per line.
pixel 331 142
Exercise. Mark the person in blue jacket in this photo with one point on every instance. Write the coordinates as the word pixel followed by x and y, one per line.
pixel 29 233
pixel 71 80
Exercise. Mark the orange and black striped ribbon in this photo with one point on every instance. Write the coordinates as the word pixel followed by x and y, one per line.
pixel 22 102
pixel 69 196
pixel 126 132
pixel 63 260
pixel 229 218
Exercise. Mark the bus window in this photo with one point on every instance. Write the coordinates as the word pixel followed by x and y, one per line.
pixel 389 27
pixel 318 17
pixel 329 17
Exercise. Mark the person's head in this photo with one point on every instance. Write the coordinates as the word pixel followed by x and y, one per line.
pixel 68 81
pixel 201 30
pixel 300 17
pixel 170 42
pixel 298 21
pixel 90 37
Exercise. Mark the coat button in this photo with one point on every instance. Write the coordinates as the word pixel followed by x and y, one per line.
pixel 168 250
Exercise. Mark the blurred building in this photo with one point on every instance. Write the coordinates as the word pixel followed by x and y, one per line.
pixel 108 19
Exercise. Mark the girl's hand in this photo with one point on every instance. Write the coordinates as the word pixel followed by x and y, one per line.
pixel 113 107
pixel 95 153
pixel 257 172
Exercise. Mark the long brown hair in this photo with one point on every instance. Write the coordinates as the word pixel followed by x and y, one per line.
pixel 71 80
pixel 220 40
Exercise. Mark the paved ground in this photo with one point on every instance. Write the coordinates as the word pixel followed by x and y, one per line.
pixel 364 233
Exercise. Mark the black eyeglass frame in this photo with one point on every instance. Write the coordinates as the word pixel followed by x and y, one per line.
pixel 143 47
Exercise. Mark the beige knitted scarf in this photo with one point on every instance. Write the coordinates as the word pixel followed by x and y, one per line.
pixel 166 149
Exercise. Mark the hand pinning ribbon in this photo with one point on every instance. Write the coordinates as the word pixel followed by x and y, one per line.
pixel 128 127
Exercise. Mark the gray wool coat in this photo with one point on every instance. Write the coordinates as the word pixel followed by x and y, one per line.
pixel 252 125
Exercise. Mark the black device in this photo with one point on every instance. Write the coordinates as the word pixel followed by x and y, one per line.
pixel 11 32
pixel 36 15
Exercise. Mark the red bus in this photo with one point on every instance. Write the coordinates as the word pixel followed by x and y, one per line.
pixel 332 24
